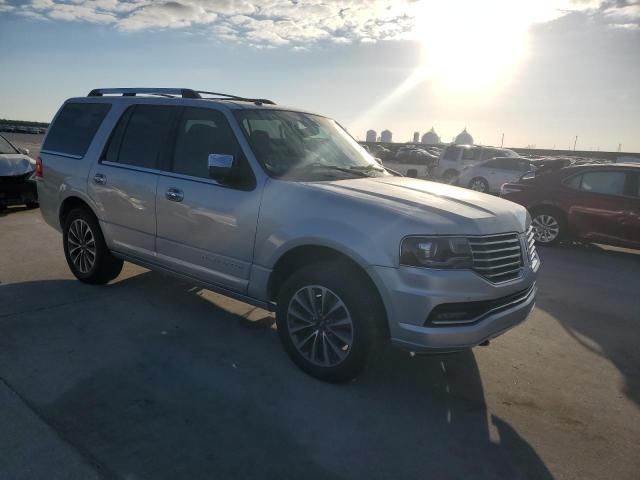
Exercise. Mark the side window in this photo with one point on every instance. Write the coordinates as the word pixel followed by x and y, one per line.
pixel 492 164
pixel 611 183
pixel 201 132
pixel 141 136
pixel 471 154
pixel 488 153
pixel 575 182
pixel 451 153
pixel 75 127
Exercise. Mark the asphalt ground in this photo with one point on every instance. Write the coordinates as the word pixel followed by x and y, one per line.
pixel 152 378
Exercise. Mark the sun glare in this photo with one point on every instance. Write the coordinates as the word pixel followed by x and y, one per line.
pixel 469 44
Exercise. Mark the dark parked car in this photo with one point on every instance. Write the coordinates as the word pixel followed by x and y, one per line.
pixel 592 202
pixel 17 185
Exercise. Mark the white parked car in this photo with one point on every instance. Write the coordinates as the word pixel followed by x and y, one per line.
pixel 490 175
pixel 455 157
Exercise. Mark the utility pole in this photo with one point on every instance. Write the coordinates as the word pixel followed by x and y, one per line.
pixel 574 143
pixel 619 147
pixel 502 141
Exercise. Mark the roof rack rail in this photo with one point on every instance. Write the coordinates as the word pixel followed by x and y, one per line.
pixel 170 92
pixel 132 92
pixel 235 97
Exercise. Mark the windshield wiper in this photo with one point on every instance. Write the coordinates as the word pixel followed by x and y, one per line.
pixel 321 166
pixel 368 168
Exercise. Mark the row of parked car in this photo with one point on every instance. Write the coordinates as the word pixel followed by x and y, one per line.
pixel 568 197
pixel 22 129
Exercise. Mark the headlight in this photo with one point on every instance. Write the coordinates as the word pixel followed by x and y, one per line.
pixel 436 252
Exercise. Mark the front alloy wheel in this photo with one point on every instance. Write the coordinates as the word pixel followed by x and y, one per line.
pixel 330 320
pixel 320 326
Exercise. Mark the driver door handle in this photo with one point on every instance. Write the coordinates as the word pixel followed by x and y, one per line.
pixel 174 195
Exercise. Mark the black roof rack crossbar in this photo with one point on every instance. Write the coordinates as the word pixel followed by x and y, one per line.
pixel 171 92
pixel 132 92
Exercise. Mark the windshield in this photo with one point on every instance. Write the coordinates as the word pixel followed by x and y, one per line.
pixel 291 145
pixel 6 147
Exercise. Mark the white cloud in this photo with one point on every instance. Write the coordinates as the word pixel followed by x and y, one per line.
pixel 300 22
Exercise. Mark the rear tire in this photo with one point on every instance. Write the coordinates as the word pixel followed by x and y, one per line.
pixel 86 252
pixel 329 321
pixel 549 226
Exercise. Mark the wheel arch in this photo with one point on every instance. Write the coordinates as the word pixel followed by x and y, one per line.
pixel 71 202
pixel 562 214
pixel 302 256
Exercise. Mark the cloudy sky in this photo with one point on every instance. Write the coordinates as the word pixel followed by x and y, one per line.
pixel 539 71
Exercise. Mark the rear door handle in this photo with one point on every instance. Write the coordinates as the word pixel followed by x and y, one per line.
pixel 174 195
pixel 99 179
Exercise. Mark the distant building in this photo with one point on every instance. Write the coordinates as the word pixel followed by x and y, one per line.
pixel 416 137
pixel 386 136
pixel 371 135
pixel 464 138
pixel 431 138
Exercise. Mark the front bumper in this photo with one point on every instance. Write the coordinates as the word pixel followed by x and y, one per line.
pixel 411 294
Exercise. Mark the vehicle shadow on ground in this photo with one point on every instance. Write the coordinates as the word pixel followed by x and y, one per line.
pixel 147 378
pixel 607 323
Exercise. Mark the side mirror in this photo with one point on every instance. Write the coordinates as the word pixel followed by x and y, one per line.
pixel 24 151
pixel 220 166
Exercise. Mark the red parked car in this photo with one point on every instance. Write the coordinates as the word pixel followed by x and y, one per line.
pixel 592 202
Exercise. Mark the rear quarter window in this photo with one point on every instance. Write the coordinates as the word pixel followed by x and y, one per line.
pixel 74 128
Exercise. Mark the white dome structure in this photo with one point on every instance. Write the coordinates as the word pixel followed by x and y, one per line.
pixel 431 138
pixel 464 138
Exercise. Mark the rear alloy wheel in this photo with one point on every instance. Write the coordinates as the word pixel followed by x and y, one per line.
pixel 86 252
pixel 548 227
pixel 479 184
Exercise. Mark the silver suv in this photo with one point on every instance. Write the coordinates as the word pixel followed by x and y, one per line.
pixel 284 210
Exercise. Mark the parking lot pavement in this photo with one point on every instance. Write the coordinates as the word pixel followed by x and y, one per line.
pixel 25 140
pixel 151 378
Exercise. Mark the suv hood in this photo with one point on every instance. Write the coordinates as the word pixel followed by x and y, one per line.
pixel 440 208
pixel 15 164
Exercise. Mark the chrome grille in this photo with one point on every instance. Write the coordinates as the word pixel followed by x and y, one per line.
pixel 498 258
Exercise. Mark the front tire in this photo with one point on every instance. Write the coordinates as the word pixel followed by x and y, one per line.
pixel 86 252
pixel 549 227
pixel 479 184
pixel 329 321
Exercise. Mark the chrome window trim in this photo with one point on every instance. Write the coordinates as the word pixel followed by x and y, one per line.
pixel 62 154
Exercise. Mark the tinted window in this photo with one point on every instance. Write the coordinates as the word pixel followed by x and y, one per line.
pixel 611 183
pixel 471 154
pixel 451 153
pixel 141 136
pixel 575 182
pixel 201 132
pixel 490 153
pixel 75 127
